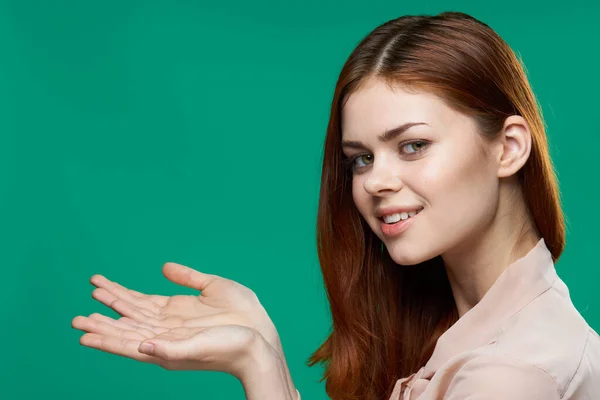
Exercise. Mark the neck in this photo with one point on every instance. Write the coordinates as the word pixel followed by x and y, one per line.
pixel 474 266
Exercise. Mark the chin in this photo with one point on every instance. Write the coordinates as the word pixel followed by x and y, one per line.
pixel 403 260
pixel 403 257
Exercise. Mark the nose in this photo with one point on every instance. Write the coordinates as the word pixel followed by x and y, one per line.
pixel 382 179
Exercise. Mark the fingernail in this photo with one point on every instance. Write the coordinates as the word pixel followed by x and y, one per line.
pixel 147 348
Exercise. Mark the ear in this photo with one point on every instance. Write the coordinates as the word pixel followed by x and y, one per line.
pixel 515 140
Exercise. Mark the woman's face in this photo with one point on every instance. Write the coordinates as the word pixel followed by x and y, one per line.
pixel 432 176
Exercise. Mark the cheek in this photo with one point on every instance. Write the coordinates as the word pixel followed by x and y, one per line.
pixel 460 189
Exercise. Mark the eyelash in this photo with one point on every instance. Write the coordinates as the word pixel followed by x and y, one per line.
pixel 351 161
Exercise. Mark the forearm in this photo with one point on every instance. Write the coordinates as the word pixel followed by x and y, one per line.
pixel 269 377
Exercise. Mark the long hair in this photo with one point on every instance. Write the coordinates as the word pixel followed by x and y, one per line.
pixel 386 319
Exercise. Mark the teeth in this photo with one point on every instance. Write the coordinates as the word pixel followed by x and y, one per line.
pixel 393 218
pixel 390 219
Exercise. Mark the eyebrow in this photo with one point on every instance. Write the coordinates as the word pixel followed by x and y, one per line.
pixel 384 137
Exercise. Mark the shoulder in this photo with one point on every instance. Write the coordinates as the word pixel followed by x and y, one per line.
pixel 498 377
pixel 550 334
pixel 549 321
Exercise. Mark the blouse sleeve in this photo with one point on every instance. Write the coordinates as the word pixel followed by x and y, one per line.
pixel 500 378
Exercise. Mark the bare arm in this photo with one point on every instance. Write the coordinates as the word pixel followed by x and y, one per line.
pixel 269 377
pixel 225 328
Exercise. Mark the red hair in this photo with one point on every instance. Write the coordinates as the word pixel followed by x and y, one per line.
pixel 387 319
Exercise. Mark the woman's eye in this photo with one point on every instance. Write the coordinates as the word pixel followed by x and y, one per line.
pixel 363 160
pixel 413 147
pixel 360 161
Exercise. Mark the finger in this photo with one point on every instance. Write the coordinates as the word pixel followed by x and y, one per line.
pixel 200 348
pixel 123 307
pixel 102 281
pixel 121 347
pixel 142 325
pixel 168 359
pixel 106 329
pixel 128 323
pixel 131 296
pixel 171 346
pixel 112 301
pixel 186 276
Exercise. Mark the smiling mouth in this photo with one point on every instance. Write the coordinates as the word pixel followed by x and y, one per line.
pixel 397 217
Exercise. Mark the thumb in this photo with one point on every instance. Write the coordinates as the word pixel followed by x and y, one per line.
pixel 169 350
pixel 186 276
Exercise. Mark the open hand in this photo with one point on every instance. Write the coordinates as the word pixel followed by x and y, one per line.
pixel 225 348
pixel 225 328
pixel 223 302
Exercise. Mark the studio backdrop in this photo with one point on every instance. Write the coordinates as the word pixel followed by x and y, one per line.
pixel 133 133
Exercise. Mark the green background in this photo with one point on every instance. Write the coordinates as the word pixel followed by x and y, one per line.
pixel 133 133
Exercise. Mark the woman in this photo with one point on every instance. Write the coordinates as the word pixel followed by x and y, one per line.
pixel 438 228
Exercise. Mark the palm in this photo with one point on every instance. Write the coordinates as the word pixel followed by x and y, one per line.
pixel 185 308
pixel 221 295
pixel 222 302
pixel 217 348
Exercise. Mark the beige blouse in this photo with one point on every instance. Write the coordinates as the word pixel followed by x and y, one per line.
pixel 523 341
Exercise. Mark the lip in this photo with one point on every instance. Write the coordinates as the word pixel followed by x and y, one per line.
pixel 397 228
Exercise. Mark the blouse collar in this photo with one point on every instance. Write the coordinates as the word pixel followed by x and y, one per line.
pixel 521 282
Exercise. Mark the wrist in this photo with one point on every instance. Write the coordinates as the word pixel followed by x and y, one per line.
pixel 266 375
